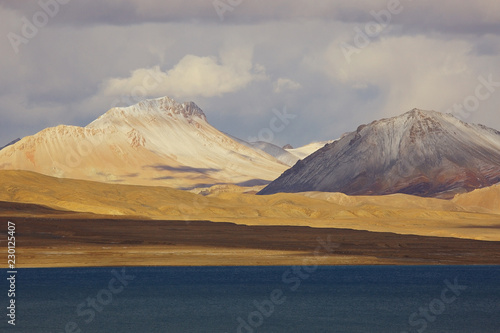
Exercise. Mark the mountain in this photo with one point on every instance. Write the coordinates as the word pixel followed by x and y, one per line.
pixel 267 148
pixel 423 153
pixel 155 142
pixel 286 154
pixel 304 151
pixel 10 143
pixel 277 152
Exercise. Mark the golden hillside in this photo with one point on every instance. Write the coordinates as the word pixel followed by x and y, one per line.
pixel 484 199
pixel 395 213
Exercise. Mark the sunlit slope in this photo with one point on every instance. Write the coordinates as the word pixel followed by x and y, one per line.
pixel 88 196
pixel 485 199
pixel 398 213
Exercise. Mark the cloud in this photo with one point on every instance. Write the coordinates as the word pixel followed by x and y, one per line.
pixel 238 70
pixel 411 71
pixel 477 17
pixel 192 76
pixel 283 84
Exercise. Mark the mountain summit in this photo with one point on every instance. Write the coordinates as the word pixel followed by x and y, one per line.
pixel 424 153
pixel 149 109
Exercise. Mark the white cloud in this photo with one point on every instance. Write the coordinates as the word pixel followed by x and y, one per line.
pixel 282 84
pixel 411 71
pixel 429 57
pixel 192 76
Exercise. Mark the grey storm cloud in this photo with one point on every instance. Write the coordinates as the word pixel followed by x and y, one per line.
pixel 451 16
pixel 241 59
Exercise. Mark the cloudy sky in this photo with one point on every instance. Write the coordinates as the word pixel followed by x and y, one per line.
pixel 331 65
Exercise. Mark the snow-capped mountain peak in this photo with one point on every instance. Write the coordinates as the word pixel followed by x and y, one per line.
pixel 151 110
pixel 419 152
pixel 155 142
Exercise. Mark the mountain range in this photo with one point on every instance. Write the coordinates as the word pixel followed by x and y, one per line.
pixel 161 142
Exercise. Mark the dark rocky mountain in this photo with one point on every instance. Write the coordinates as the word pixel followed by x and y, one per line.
pixel 423 153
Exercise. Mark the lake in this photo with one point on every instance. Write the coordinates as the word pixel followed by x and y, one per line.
pixel 256 299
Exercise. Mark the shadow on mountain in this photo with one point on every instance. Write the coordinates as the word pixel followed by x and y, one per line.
pixel 131 175
pixel 27 208
pixel 163 178
pixel 200 185
pixel 186 169
pixel 248 183
pixel 254 182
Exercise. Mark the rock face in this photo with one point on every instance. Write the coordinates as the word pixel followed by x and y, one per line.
pixel 155 142
pixel 423 153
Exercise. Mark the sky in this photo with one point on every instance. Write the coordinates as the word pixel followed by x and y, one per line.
pixel 284 71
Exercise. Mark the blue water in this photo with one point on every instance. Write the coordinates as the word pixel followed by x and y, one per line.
pixel 257 299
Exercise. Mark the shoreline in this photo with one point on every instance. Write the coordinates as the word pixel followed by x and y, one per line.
pixel 103 242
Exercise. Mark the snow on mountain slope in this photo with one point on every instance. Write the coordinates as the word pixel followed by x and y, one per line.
pixel 423 153
pixel 155 142
pixel 267 148
pixel 304 151
pixel 277 152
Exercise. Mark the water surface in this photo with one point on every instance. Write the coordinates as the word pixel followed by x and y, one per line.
pixel 257 299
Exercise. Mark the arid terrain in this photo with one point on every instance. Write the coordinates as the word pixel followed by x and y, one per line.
pixel 64 222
